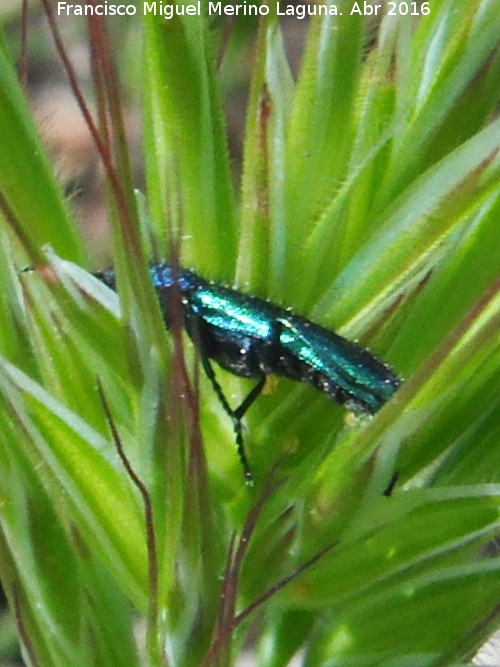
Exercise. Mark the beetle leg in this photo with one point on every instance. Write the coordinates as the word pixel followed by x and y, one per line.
pixel 235 415
pixel 249 400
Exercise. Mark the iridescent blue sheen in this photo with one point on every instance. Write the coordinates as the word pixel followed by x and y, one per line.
pixel 252 338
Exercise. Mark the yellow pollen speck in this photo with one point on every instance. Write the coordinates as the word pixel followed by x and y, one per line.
pixel 271 385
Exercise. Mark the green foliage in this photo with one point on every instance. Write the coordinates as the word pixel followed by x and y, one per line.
pixel 369 200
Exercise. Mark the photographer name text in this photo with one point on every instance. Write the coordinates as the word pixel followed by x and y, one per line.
pixel 297 10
